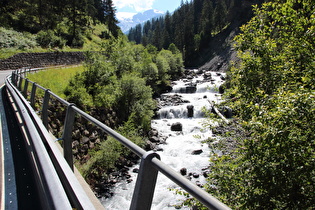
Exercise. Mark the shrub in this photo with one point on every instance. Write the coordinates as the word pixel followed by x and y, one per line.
pixel 48 39
pixel 13 39
pixel 273 167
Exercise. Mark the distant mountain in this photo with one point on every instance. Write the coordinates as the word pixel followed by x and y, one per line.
pixel 128 20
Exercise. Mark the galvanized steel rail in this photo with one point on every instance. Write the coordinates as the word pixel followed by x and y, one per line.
pixel 150 162
pixel 57 183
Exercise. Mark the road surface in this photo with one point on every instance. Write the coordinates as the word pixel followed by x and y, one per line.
pixel 3 75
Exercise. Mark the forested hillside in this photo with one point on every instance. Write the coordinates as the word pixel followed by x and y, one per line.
pixel 59 23
pixel 193 26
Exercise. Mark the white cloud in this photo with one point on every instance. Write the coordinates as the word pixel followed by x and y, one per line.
pixel 138 5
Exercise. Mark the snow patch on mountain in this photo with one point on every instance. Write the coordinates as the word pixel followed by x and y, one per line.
pixel 129 19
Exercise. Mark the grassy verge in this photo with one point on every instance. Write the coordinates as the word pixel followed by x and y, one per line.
pixel 55 79
pixel 13 42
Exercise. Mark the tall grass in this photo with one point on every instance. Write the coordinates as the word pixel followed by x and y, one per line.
pixel 55 79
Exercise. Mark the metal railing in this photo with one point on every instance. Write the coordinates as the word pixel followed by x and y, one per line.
pixel 56 182
pixel 150 162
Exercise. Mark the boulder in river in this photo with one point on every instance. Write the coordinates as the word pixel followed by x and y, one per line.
pixel 190 109
pixel 197 152
pixel 177 127
pixel 191 89
pixel 183 171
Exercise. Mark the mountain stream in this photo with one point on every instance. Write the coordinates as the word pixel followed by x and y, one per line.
pixel 183 149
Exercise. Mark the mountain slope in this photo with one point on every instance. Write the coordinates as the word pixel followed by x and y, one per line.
pixel 202 30
pixel 128 20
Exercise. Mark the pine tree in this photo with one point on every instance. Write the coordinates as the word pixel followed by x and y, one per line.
pixel 206 20
pixel 110 18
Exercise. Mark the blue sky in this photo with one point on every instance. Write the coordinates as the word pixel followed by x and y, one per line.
pixel 135 6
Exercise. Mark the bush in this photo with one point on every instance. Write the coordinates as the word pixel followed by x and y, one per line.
pixel 48 39
pixel 135 100
pixel 13 39
pixel 273 167
pixel 77 40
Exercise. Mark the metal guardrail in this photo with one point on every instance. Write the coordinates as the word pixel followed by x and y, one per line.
pixel 57 184
pixel 150 162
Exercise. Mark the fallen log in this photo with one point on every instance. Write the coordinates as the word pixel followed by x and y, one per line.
pixel 218 112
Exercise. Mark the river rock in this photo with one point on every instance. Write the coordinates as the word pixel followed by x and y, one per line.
pixel 191 89
pixel 190 109
pixel 183 171
pixel 226 111
pixel 198 183
pixel 197 152
pixel 195 175
pixel 153 132
pixel 207 75
pixel 158 149
pixel 177 127
pixel 154 139
pixel 205 174
pixel 150 145
pixel 222 89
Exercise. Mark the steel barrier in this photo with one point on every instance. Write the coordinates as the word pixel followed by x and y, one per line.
pixel 58 186
pixel 150 162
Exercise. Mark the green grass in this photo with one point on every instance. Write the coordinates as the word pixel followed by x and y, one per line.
pixel 55 79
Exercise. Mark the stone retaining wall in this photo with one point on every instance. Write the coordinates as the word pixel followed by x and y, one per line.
pixel 35 60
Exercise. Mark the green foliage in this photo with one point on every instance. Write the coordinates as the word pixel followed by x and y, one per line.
pixel 135 101
pixel 13 42
pixel 47 39
pixel 59 22
pixel 103 159
pixel 273 166
pixel 173 64
pixel 106 156
pixel 123 77
pixel 13 39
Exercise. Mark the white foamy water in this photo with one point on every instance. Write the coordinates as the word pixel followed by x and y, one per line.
pixel 177 152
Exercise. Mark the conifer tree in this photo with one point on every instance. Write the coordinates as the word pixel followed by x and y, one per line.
pixel 110 18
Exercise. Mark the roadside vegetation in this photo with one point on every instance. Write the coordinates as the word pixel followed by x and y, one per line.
pixel 55 79
pixel 118 79
pixel 271 166
pixel 121 78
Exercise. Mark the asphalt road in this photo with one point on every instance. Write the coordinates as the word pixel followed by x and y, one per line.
pixel 3 75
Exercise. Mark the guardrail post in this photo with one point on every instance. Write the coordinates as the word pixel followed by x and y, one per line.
pixel 25 88
pixel 145 185
pixel 67 135
pixel 13 77
pixel 45 108
pixel 33 94
pixel 16 77
pixel 20 83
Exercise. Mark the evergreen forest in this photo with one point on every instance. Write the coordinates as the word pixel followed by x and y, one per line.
pixel 192 26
